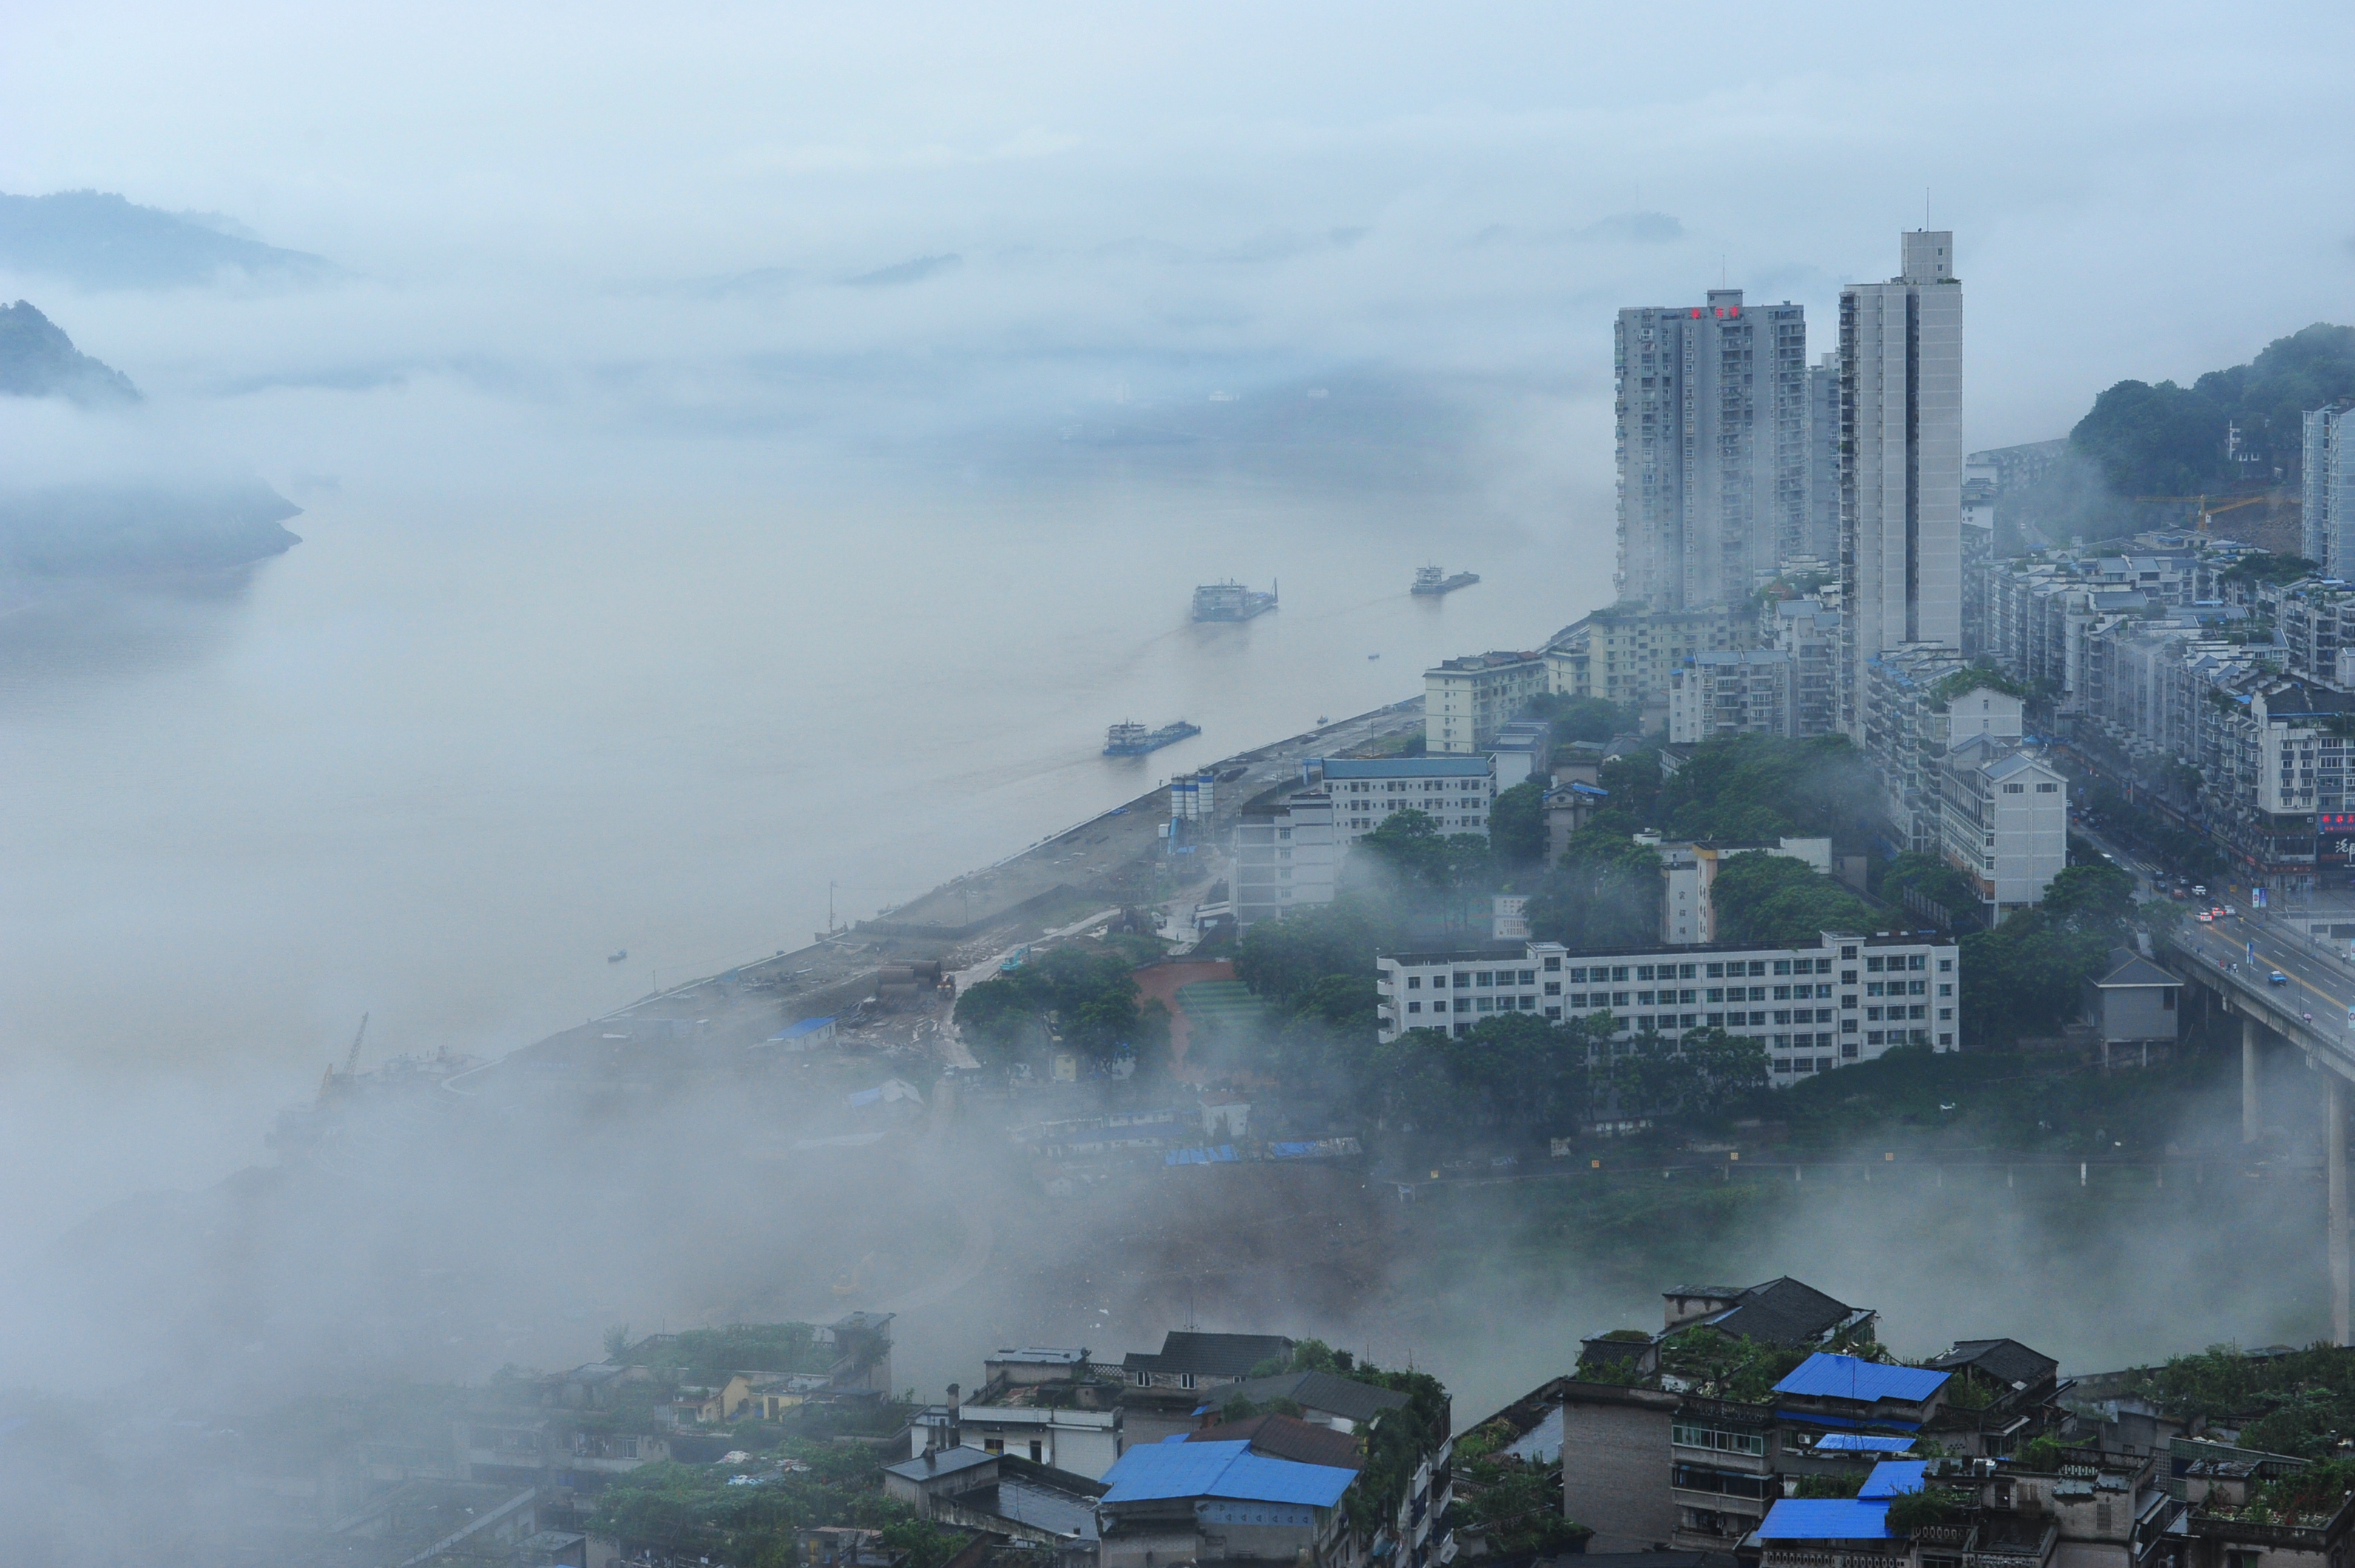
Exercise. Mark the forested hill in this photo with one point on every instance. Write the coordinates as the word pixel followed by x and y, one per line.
pixel 38 360
pixel 2167 440
pixel 96 239
pixel 2238 431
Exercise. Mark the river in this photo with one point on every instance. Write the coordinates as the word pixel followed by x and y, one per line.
pixel 529 695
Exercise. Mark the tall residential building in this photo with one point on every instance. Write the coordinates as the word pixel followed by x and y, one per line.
pixel 2328 473
pixel 1712 416
pixel 1900 462
pixel 1823 457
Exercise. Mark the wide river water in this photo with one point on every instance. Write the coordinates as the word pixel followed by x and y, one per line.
pixel 488 724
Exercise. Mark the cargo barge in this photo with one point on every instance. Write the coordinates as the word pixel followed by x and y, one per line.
pixel 1134 740
pixel 1231 601
pixel 1429 581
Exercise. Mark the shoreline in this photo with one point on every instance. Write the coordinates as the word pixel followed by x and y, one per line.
pixel 1110 858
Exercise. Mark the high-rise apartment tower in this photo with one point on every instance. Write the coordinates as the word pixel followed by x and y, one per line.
pixel 1823 458
pixel 2328 473
pixel 1712 419
pixel 1900 347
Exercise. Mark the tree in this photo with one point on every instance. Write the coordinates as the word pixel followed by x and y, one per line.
pixel 1088 1001
pixel 1517 827
pixel 1929 875
pixel 2098 892
pixel 1778 900
pixel 1408 855
pixel 1605 892
pixel 1279 958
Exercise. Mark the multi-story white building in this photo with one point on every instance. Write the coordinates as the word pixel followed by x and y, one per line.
pixel 1456 793
pixel 1712 445
pixel 1918 703
pixel 2004 818
pixel 1285 857
pixel 1625 654
pixel 2327 474
pixel 1466 700
pixel 1833 1003
pixel 1716 693
pixel 1900 462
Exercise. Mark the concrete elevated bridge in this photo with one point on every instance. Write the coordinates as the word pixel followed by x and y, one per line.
pixel 2312 1007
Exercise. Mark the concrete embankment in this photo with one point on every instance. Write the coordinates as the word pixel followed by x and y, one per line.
pixel 1110 860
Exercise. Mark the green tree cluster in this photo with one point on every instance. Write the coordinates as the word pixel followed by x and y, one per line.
pixel 686 1511
pixel 1087 1000
pixel 1425 875
pixel 2024 978
pixel 2302 1404
pixel 2167 440
pixel 1929 875
pixel 1778 900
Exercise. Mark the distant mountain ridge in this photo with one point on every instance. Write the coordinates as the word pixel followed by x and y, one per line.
pixel 38 360
pixel 97 240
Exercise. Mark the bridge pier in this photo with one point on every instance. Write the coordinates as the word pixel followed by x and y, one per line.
pixel 2249 1117
pixel 2333 1107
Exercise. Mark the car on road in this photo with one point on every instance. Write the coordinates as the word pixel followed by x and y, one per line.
pixel 2199 890
pixel 2230 909
pixel 2206 919
pixel 2275 978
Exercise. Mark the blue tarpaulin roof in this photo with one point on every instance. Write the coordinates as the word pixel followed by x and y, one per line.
pixel 1858 1442
pixel 1825 1519
pixel 1154 1471
pixel 1826 1376
pixel 1892 1476
pixel 1222 1155
pixel 1810 1418
pixel 808 1026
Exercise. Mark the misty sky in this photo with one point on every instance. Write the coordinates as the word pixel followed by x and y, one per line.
pixel 2135 190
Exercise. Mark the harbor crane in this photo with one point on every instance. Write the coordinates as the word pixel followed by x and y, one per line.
pixel 352 1057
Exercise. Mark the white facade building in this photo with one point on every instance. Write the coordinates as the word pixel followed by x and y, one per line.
pixel 1454 792
pixel 1901 462
pixel 1284 857
pixel 1831 1004
pixel 2328 472
pixel 2004 821
pixel 1466 700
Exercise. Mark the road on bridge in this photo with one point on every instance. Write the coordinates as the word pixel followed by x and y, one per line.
pixel 2318 980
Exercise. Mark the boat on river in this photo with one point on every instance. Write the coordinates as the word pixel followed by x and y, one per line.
pixel 1126 740
pixel 1429 581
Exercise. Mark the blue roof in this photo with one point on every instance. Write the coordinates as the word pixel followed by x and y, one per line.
pixel 1825 1519
pixel 1892 1476
pixel 808 1026
pixel 1156 1471
pixel 1402 767
pixel 1826 1376
pixel 1858 1442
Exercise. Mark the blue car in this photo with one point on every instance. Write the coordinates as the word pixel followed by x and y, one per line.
pixel 2277 978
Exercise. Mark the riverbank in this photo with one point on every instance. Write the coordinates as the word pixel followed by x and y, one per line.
pixel 1114 858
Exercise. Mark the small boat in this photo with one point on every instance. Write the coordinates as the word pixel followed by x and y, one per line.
pixel 617 956
pixel 1373 656
pixel 1429 580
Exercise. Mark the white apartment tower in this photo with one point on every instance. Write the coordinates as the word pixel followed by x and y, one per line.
pixel 1712 448
pixel 1900 462
pixel 2328 475
pixel 1823 458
